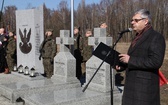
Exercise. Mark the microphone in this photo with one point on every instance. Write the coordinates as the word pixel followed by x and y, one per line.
pixel 127 30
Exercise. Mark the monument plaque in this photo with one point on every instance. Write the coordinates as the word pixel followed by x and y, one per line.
pixel 29 28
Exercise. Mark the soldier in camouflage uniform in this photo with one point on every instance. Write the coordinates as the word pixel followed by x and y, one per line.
pixel 104 25
pixel 48 52
pixel 10 51
pixel 77 51
pixel 87 50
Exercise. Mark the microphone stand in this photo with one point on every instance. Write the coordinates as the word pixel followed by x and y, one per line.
pixel 114 44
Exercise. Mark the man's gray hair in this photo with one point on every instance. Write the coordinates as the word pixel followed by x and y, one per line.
pixel 144 14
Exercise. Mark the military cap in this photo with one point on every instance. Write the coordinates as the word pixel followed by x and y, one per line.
pixel 51 30
pixel 11 31
pixel 102 22
pixel 76 27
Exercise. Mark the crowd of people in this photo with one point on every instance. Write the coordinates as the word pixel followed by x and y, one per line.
pixel 82 51
pixel 7 51
pixel 47 49
pixel 142 62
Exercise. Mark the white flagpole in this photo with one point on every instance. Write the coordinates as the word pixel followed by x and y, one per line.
pixel 72 18
pixel 72 24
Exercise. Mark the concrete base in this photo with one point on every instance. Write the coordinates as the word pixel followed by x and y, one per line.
pixel 13 91
pixel 37 77
pixel 73 96
pixel 51 92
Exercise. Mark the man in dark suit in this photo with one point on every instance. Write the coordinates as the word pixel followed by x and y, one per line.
pixel 145 57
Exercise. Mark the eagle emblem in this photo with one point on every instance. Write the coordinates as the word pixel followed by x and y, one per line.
pixel 61 41
pixel 24 45
pixel 96 41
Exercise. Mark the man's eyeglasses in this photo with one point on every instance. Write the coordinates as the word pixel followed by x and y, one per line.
pixel 137 20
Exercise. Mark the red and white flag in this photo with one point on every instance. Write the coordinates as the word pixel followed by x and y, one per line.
pixel 162 79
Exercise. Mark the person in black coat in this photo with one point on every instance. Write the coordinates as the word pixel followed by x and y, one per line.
pixel 78 46
pixel 3 43
pixel 144 58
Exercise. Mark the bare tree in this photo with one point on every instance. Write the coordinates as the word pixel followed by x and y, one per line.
pixel 116 13
pixel 9 18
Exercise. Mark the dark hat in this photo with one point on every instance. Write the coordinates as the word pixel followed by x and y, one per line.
pixel 76 27
pixel 51 30
pixel 11 31
pixel 102 22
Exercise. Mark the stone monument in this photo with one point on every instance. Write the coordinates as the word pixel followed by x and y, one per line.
pixel 29 28
pixel 64 62
pixel 64 75
pixel 96 94
pixel 64 88
pixel 101 81
pixel 99 36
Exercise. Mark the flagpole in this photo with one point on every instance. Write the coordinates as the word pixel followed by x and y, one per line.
pixel 72 18
pixel 72 24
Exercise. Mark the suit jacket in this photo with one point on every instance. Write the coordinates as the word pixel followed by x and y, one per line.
pixel 142 79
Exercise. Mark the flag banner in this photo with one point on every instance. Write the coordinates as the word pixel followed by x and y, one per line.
pixel 162 79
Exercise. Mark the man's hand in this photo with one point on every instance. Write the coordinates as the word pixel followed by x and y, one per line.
pixel 124 58
pixel 118 67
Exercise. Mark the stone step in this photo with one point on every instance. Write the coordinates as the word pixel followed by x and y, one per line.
pixel 37 77
pixel 14 90
pixel 9 78
pixel 73 96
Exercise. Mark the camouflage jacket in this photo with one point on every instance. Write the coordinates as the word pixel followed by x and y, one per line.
pixel 48 48
pixel 87 49
pixel 11 46
pixel 78 43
